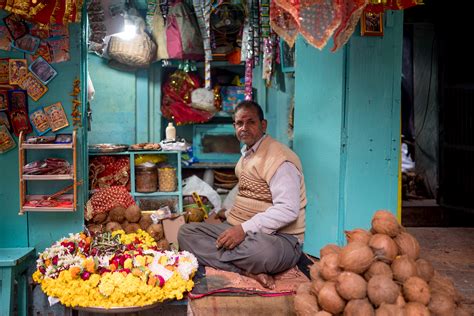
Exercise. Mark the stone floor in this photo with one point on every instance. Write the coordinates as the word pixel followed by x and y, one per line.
pixel 451 251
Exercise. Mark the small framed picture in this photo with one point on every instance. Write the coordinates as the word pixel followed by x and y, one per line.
pixel 5 39
pixel 287 57
pixel 27 44
pixel 56 116
pixel 4 120
pixel 3 100
pixel 40 122
pixel 33 86
pixel 371 24
pixel 43 70
pixel 15 25
pixel 17 69
pixel 18 111
pixel 4 69
pixel 6 140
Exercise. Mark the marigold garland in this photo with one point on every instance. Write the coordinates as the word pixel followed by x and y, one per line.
pixel 137 274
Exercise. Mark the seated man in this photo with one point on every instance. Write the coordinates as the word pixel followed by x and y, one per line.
pixel 264 230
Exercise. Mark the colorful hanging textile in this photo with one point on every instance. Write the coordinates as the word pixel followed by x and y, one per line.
pixel 284 19
pixel 351 12
pixel 45 11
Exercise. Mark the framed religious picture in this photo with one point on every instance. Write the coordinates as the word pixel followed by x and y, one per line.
pixel 4 76
pixel 42 51
pixel 5 39
pixel 17 69
pixel 3 100
pixel 33 86
pixel 42 70
pixel 40 122
pixel 56 116
pixel 18 111
pixel 26 44
pixel 15 25
pixel 287 57
pixel 4 120
pixel 6 140
pixel 371 24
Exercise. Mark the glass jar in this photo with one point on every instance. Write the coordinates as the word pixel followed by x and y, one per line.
pixel 146 178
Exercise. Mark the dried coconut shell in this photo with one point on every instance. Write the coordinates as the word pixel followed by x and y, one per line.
pixel 155 231
pixel 444 285
pixel 382 289
pixel 322 313
pixel 408 245
pixel 384 248
pixel 424 269
pixel 378 268
pixel 441 305
pixel 117 214
pixel 403 267
pixel 384 222
pixel 163 244
pixel 389 310
pixel 99 218
pixel 329 248
pixel 316 285
pixel 314 270
pixel 329 300
pixel 330 267
pixel 131 228
pixel 356 257
pixel 112 226
pixel 305 303
pixel 351 286
pixel 133 213
pixel 145 221
pixel 416 309
pixel 95 229
pixel 358 234
pixel 360 307
pixel 416 289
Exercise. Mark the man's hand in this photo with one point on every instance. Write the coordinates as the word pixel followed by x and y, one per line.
pixel 231 237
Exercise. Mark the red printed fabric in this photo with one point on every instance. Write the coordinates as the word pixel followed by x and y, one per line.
pixel 401 4
pixel 107 198
pixel 351 12
pixel 106 171
pixel 284 20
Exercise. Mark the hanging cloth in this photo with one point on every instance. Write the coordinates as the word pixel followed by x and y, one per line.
pixel 284 19
pixel 351 12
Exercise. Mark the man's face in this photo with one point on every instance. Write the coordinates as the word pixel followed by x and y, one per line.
pixel 248 127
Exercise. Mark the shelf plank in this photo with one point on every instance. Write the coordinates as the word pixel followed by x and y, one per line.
pixel 46 146
pixel 157 193
pixel 47 209
pixel 48 177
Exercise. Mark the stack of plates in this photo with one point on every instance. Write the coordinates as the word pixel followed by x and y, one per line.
pixel 225 180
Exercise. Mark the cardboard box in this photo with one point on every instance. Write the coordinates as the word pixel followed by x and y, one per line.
pixel 171 227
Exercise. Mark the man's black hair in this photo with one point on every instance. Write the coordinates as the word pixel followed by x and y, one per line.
pixel 250 105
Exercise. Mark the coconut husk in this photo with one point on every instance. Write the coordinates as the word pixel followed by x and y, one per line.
pixel 378 268
pixel 356 257
pixel 389 310
pixel 358 234
pixel 330 267
pixel 382 289
pixel 441 305
pixel 416 309
pixel 384 222
pixel 416 289
pixel 424 269
pixel 329 248
pixel 305 303
pixel 384 248
pixel 329 300
pixel 408 245
pixel 359 307
pixel 403 267
pixel 133 213
pixel 351 286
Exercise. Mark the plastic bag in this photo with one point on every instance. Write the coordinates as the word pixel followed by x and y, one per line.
pixel 195 184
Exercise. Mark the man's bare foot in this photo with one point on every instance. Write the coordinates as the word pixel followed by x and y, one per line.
pixel 264 279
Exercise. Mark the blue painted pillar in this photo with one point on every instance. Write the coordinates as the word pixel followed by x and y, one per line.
pixel 347 131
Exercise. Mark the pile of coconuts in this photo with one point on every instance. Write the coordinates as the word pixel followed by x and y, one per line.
pixel 130 220
pixel 378 272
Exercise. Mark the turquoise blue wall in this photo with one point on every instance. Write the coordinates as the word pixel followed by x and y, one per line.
pixel 41 229
pixel 347 131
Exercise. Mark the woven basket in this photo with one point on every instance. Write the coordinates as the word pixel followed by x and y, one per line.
pixel 137 52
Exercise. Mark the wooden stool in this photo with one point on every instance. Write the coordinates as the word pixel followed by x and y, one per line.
pixel 14 264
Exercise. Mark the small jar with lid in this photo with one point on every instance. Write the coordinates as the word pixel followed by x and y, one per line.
pixel 146 178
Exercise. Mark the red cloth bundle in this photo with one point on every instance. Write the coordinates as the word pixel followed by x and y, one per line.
pixel 107 198
pixel 107 171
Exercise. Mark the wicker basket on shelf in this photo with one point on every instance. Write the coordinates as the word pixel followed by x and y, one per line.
pixel 137 51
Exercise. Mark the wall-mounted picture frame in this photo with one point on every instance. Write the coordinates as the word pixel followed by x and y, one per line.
pixel 42 70
pixel 3 100
pixel 371 24
pixel 287 57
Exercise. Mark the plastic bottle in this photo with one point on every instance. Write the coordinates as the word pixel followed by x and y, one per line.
pixel 170 132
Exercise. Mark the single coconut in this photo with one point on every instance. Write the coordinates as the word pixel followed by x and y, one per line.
pixel 384 222
pixel 389 310
pixel 329 248
pixel 94 229
pixel 330 267
pixel 112 226
pixel 416 289
pixel 131 228
pixel 403 267
pixel 155 231
pixel 360 307
pixel 416 309
pixel 329 300
pixel 99 218
pixel 305 303
pixel 441 305
pixel 382 289
pixel 314 270
pixel 444 285
pixel 316 285
pixel 133 213
pixel 145 221
pixel 356 257
pixel 384 248
pixel 351 286
pixel 424 269
pixel 408 245
pixel 358 234
pixel 378 268
pixel 163 244
pixel 117 214
pixel 322 313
